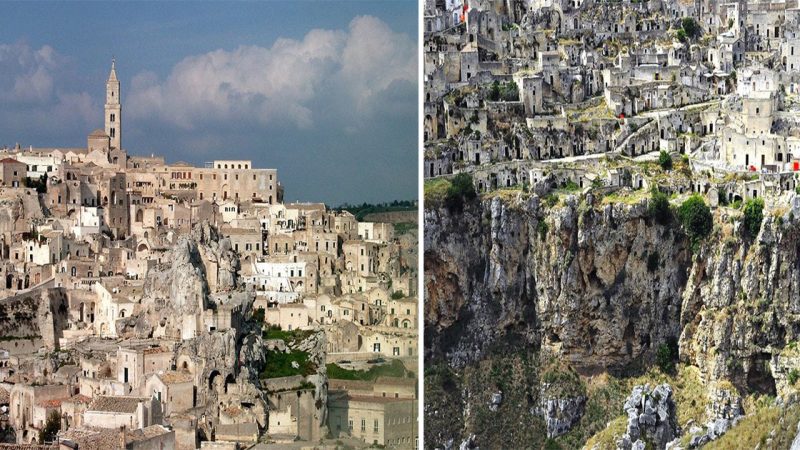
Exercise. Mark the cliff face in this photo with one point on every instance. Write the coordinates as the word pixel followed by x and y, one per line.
pixel 601 287
pixel 573 278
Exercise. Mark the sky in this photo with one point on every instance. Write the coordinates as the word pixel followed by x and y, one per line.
pixel 324 91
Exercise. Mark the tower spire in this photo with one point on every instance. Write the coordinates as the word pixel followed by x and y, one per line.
pixel 113 75
pixel 113 108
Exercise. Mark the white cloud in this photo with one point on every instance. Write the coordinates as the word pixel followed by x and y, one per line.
pixel 35 87
pixel 279 84
pixel 27 75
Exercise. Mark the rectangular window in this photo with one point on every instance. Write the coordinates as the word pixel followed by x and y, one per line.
pixel 375 428
pixel 363 424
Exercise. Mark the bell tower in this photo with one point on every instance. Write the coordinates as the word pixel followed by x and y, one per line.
pixel 113 109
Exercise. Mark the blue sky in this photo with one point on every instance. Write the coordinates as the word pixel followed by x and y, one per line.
pixel 324 91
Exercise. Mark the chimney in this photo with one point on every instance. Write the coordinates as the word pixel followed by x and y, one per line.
pixel 122 437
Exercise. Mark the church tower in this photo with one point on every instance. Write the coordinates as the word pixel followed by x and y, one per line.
pixel 113 109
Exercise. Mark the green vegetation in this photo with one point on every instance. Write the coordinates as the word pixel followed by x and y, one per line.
pixel 794 375
pixel 607 438
pixel 761 424
pixel 503 91
pixel 562 380
pixel 397 295
pixel 393 369
pixel 689 29
pixel 753 215
pixel 19 338
pixel 667 355
pixel 51 427
pixel 279 364
pixel 659 208
pixel 665 160
pixel 289 337
pixel 435 191
pixel 696 218
pixel 460 190
pixel 571 186
pixel 551 200
pixel 258 315
pixel 542 228
pixel 369 208
pixel 404 227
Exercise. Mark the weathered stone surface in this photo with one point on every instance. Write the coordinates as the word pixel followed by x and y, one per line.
pixel 561 414
pixel 651 418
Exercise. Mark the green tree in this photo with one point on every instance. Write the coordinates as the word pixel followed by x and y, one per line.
pixel 696 218
pixel 753 215
pixel 665 160
pixel 658 207
pixel 690 27
pixel 666 355
pixel 460 190
pixel 494 91
pixel 51 427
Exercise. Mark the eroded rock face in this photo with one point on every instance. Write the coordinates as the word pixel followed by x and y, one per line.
pixel 573 278
pixel 183 282
pixel 201 264
pixel 652 418
pixel 603 286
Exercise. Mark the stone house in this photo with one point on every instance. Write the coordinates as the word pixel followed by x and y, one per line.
pixel 12 172
pixel 174 389
pixel 123 411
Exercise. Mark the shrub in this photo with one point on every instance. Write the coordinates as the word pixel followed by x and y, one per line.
pixel 658 208
pixel 666 355
pixel 51 428
pixel 396 295
pixel 794 374
pixel 258 315
pixel 690 27
pixel 542 229
pixel 722 197
pixel 460 189
pixel 696 217
pixel 753 215
pixel 665 160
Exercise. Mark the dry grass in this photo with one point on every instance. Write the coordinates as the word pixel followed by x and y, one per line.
pixel 607 439
pixel 766 426
pixel 436 190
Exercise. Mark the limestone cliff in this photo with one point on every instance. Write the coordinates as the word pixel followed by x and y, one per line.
pixel 601 287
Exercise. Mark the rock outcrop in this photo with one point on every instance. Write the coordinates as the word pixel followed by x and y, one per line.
pixel 651 418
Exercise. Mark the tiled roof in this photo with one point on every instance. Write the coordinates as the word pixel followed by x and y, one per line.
pixel 145 433
pixel 174 376
pixel 121 404
pixel 94 438
pixel 79 398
